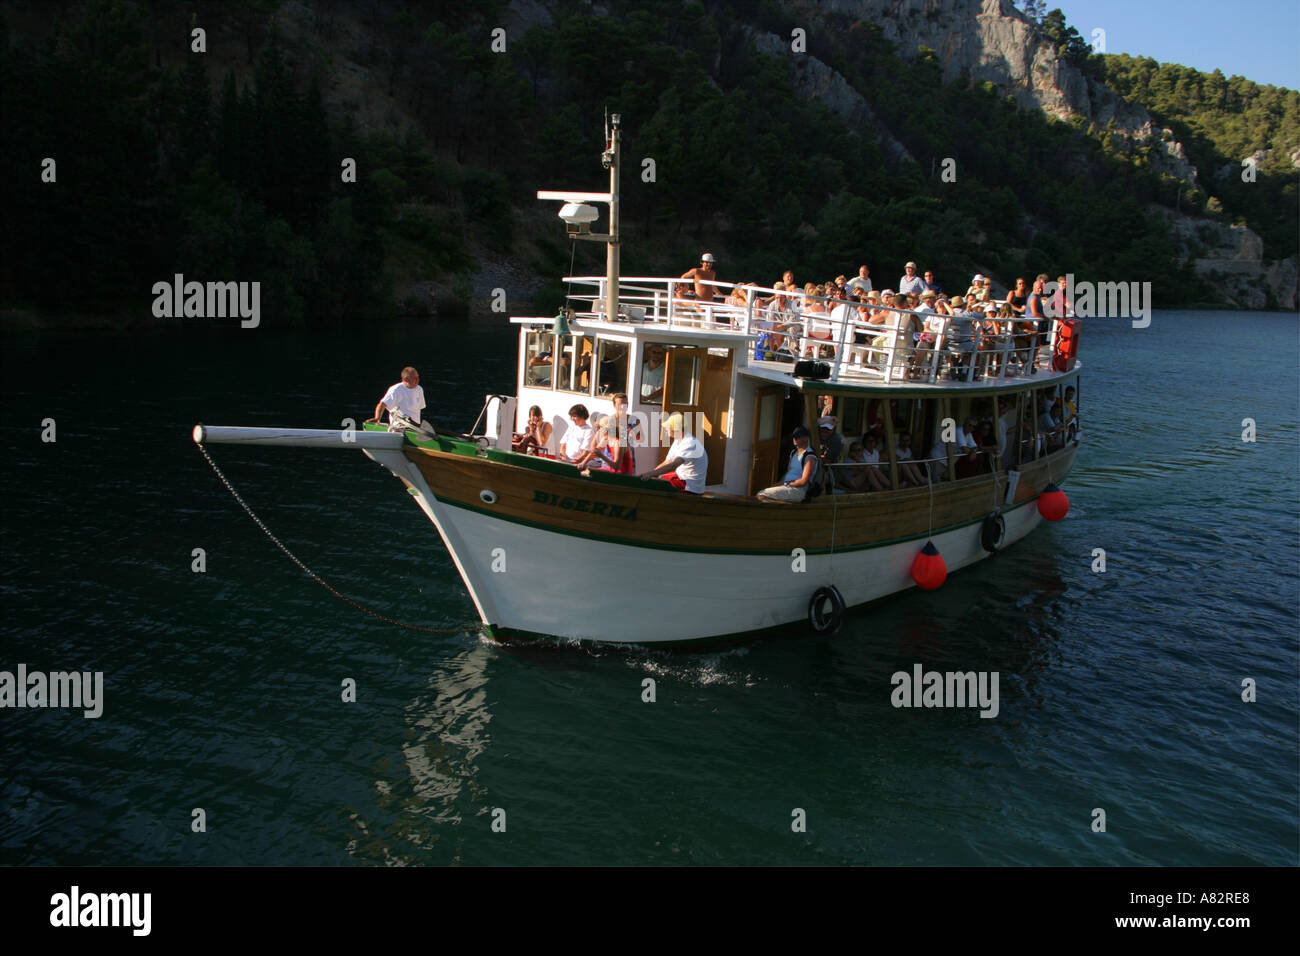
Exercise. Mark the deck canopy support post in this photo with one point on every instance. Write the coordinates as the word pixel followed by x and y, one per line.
pixel 890 443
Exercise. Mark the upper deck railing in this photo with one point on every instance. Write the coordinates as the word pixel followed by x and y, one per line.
pixel 861 343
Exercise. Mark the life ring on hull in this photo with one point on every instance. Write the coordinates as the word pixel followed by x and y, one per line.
pixel 992 532
pixel 822 621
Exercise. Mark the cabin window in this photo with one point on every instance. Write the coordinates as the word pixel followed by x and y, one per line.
pixel 686 377
pixel 539 360
pixel 652 373
pixel 611 366
pixel 575 364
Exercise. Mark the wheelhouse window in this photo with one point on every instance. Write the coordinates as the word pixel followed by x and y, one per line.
pixel 652 372
pixel 686 377
pixel 575 373
pixel 611 366
pixel 539 360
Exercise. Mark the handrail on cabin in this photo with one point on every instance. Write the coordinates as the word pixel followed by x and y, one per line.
pixel 656 296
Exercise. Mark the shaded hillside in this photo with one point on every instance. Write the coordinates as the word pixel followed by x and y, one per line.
pixel 227 164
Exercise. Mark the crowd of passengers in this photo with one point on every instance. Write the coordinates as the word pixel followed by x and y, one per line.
pixel 984 441
pixel 977 326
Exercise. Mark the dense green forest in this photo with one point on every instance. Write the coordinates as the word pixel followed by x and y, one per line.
pixel 1221 121
pixel 163 168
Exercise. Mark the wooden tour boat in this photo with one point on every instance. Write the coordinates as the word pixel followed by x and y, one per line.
pixel 725 564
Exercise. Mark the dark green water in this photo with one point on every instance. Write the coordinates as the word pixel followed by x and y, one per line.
pixel 222 690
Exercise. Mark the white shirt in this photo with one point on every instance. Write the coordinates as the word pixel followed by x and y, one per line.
pixel 652 379
pixel 857 283
pixel 404 401
pixel 871 457
pixel 577 441
pixel 695 463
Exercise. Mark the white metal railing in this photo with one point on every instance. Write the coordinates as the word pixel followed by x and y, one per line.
pixel 780 331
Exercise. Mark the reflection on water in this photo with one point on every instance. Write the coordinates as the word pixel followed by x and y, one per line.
pixel 435 791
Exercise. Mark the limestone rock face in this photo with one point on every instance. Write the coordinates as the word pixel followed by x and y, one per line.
pixel 1230 257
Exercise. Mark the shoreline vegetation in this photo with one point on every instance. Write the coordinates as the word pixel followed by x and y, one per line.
pixel 231 164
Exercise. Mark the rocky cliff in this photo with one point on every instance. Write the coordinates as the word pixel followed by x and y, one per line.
pixel 990 40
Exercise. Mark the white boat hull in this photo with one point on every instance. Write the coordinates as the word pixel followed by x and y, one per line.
pixel 534 582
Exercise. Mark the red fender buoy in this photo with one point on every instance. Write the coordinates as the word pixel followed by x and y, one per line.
pixel 928 569
pixel 1053 503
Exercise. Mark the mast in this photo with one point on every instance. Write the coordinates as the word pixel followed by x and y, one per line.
pixel 613 135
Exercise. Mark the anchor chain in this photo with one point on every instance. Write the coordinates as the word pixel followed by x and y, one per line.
pixel 312 574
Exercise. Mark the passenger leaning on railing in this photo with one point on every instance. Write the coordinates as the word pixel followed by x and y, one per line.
pixel 961 340
pixel 1035 310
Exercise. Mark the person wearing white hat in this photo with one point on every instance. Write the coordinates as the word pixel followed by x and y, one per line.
pixel 911 282
pixel 701 275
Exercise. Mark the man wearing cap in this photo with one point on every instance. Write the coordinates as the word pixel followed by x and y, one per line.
pixel 686 463
pixel 704 271
pixel 862 281
pixel 403 400
pixel 911 282
pixel 831 440
pixel 798 480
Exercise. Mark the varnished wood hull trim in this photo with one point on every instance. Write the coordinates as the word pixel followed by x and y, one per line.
pixel 648 515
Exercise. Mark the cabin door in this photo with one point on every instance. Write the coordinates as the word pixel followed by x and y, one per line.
pixel 698 385
pixel 767 437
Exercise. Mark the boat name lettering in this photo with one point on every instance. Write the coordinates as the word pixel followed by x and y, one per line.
pixel 602 508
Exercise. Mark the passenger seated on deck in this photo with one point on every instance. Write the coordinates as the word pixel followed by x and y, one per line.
pixel 849 480
pixel 875 478
pixel 909 475
pixel 596 459
pixel 577 440
pixel 1050 426
pixel 799 477
pixel 686 464
pixel 536 436
pixel 1070 416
